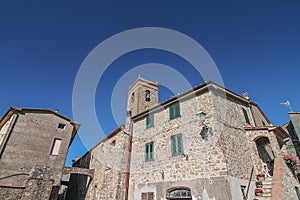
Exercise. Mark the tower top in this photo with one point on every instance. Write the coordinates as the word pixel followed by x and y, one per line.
pixel 142 95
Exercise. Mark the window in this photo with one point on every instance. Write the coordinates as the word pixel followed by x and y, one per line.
pixel 61 126
pixel 174 111
pixel 149 121
pixel 132 97
pixel 243 189
pixel 149 152
pixel 147 95
pixel 179 193
pixel 246 116
pixel 263 122
pixel 56 146
pixel 298 192
pixel 147 196
pixel 176 145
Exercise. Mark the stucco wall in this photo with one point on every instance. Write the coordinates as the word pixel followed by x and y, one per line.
pixel 30 144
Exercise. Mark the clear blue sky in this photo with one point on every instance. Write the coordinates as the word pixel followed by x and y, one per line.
pixel 255 45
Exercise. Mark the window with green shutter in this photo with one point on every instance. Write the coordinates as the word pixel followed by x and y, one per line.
pixel 149 152
pixel 246 116
pixel 176 145
pixel 149 121
pixel 174 111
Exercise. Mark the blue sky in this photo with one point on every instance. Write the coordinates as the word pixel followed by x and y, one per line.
pixel 255 45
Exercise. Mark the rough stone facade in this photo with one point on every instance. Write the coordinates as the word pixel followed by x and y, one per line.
pixel 211 148
pixel 108 160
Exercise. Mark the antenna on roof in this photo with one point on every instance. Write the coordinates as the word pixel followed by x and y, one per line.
pixel 287 104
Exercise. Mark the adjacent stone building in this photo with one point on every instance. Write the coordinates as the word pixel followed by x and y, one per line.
pixel 33 149
pixel 205 143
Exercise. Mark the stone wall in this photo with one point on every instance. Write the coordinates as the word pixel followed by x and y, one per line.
pixel 107 159
pixel 38 185
pixel 289 182
pixel 200 156
pixel 30 144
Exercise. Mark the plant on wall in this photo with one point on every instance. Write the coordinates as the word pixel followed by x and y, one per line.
pixel 293 162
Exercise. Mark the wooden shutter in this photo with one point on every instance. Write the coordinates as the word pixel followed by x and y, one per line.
pixel 177 110
pixel 176 145
pixel 174 111
pixel 150 196
pixel 179 144
pixel 149 121
pixel 144 196
pixel 149 151
pixel 147 196
pixel 173 145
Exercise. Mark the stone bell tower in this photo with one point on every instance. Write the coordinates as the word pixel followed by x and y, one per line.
pixel 142 95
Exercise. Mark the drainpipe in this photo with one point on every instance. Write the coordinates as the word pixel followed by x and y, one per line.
pixel 128 161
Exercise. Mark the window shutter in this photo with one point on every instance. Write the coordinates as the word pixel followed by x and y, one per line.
pixel 174 111
pixel 173 145
pixel 149 151
pixel 171 112
pixel 149 121
pixel 177 110
pixel 144 196
pixel 179 144
pixel 150 196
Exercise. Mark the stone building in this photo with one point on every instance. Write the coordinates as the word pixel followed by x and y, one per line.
pixel 33 149
pixel 205 143
pixel 293 128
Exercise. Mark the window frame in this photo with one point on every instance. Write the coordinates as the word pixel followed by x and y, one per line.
pixel 149 155
pixel 147 195
pixel 56 144
pixel 149 121
pixel 174 111
pixel 246 116
pixel 147 95
pixel 177 145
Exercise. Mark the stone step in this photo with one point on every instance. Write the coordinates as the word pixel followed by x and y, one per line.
pixel 267 187
pixel 267 190
pixel 268 179
pixel 267 195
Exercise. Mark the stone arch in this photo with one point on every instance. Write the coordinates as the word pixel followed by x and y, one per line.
pixel 265 151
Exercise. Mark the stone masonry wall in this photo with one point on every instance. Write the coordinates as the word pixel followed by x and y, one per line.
pixel 201 159
pixel 289 182
pixel 107 159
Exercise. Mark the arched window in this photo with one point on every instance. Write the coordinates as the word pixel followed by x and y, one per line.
pixel 147 95
pixel 132 97
pixel 182 193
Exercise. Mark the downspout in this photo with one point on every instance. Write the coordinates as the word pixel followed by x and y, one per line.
pixel 128 160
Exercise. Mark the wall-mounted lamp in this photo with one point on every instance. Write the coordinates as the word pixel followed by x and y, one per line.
pixel 201 116
pixel 204 132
